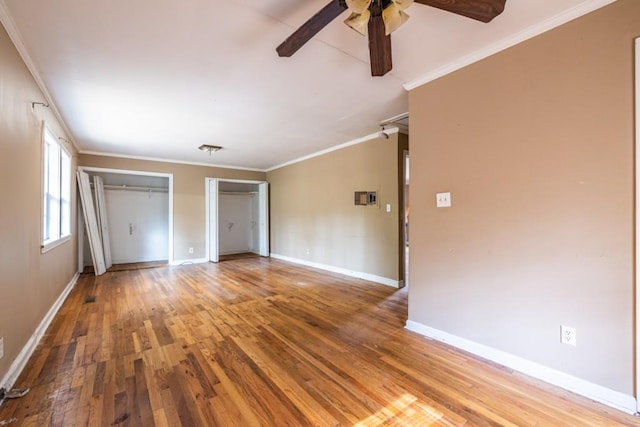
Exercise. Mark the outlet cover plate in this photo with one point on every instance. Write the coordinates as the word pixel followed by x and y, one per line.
pixel 443 200
pixel 568 335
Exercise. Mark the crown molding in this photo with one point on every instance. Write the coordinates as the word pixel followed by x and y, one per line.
pixel 356 141
pixel 158 159
pixel 9 25
pixel 526 34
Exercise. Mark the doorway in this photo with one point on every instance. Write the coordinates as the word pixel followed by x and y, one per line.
pixel 237 218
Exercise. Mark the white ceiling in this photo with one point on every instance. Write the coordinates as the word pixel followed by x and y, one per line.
pixel 157 79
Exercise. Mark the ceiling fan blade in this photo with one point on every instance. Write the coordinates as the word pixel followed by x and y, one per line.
pixel 482 10
pixel 379 46
pixel 310 28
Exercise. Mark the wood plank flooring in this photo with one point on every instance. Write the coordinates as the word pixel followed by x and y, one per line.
pixel 260 342
pixel 130 266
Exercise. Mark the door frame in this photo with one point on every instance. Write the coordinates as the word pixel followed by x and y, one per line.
pixel 212 225
pixel 405 220
pixel 636 173
pixel 140 173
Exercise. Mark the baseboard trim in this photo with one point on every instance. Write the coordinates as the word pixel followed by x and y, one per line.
pixel 189 261
pixel 21 360
pixel 357 274
pixel 606 396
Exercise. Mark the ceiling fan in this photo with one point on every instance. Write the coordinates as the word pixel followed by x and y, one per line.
pixel 381 18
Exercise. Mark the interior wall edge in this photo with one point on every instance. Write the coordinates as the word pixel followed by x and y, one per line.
pixel 538 156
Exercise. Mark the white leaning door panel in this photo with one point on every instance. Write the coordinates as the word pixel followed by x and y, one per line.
pixel 103 224
pixel 91 222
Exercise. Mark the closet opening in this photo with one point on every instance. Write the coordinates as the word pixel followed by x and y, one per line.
pixel 237 219
pixel 130 219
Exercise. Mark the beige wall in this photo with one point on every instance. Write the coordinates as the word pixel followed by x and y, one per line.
pixel 30 282
pixel 312 209
pixel 536 145
pixel 189 207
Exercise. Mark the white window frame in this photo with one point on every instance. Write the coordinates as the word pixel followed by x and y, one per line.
pixel 56 191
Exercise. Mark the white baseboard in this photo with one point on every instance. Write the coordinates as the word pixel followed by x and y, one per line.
pixel 612 398
pixel 189 261
pixel 21 360
pixel 360 275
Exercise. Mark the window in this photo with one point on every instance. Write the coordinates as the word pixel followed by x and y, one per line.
pixel 56 207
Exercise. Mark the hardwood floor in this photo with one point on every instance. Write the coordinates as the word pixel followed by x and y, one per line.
pixel 130 266
pixel 233 257
pixel 261 342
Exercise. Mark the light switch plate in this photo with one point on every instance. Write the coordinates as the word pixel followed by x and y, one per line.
pixel 388 207
pixel 443 200
pixel 1 347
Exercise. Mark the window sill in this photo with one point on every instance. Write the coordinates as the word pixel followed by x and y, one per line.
pixel 46 247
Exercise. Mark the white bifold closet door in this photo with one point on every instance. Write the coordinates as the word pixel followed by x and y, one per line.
pixel 103 224
pixel 91 222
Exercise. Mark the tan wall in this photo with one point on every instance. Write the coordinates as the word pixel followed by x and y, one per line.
pixel 312 208
pixel 189 207
pixel 30 282
pixel 536 145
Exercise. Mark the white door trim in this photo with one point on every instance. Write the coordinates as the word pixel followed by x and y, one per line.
pixel 263 218
pixel 211 227
pixel 637 224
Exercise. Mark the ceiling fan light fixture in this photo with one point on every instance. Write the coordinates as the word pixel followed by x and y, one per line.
pixel 402 4
pixel 394 16
pixel 359 21
pixel 209 148
pixel 358 6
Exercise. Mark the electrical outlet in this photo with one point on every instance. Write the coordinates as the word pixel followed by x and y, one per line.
pixel 1 347
pixel 567 335
pixel 443 200
pixel 308 251
pixel 190 250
